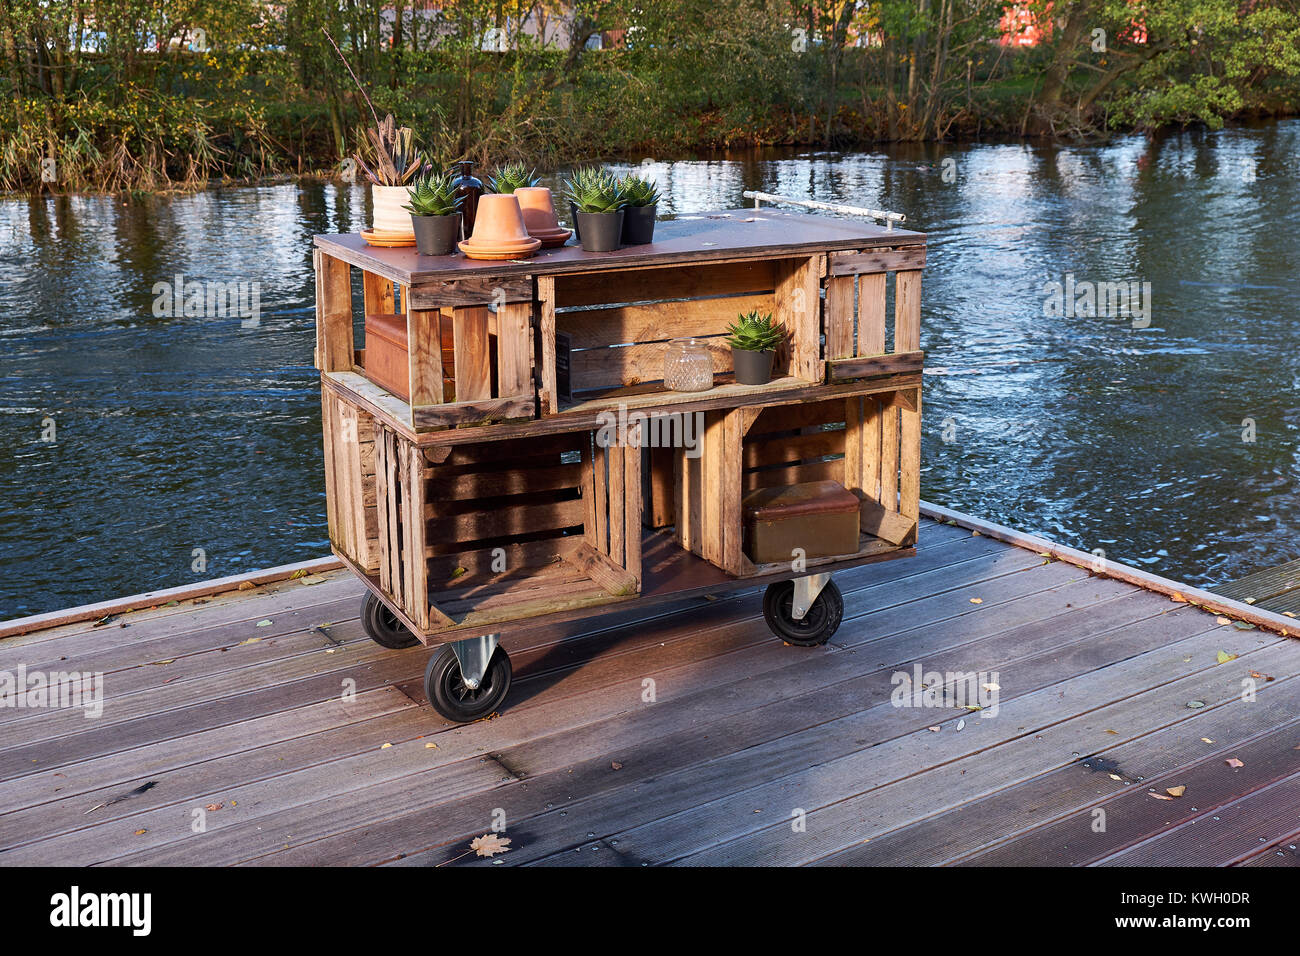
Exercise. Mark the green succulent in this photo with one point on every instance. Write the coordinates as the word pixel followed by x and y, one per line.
pixel 594 190
pixel 513 176
pixel 755 332
pixel 433 194
pixel 638 191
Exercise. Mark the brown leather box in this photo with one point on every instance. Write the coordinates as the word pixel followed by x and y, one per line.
pixel 821 517
pixel 386 355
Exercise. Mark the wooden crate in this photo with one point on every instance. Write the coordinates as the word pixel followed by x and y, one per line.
pixel 618 324
pixel 471 536
pixel 490 319
pixel 870 442
pixel 857 287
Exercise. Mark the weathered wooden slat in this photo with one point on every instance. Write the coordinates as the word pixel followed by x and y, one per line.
pixel 896 363
pixel 871 314
pixel 634 364
pixel 838 312
pixel 447 532
pixel 633 504
pixel 515 348
pixel 378 294
pixel 468 486
pixel 603 570
pixel 424 356
pixel 473 358
pixel 909 478
pixel 907 312
pixel 794 448
pixel 548 398
pixel 482 290
pixel 650 285
pixel 657 321
pixel 798 306
pixel 334 339
pixel 904 258
pixel 617 493
pixel 453 414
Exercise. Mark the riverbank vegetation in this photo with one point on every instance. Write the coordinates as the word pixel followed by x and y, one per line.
pixel 132 95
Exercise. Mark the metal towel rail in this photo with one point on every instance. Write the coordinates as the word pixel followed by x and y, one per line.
pixel 888 218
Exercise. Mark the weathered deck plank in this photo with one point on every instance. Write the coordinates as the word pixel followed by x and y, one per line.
pixel 589 772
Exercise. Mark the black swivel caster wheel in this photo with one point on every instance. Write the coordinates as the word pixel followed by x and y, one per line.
pixel 383 627
pixel 815 627
pixel 452 698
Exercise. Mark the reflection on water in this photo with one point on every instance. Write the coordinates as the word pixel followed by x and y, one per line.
pixel 189 448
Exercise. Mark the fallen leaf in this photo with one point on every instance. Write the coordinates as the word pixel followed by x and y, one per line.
pixel 246 585
pixel 1176 791
pixel 141 832
pixel 990 687
pixel 160 663
pixel 1159 796
pixel 1195 704
pixel 1209 741
pixel 311 579
pixel 1177 598
pixel 616 765
pixel 961 725
pixel 1116 732
pixel 1250 600
pixel 1234 762
pixel 251 640
pixel 1258 676
pixel 430 746
pixel 214 807
pixel 977 600
pixel 265 622
pixel 1289 613
pixel 1115 776
pixel 1224 657
pixel 490 844
pixel 385 746
pixel 1222 620
pixel 934 729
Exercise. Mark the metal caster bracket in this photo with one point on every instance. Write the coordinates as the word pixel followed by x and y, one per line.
pixel 806 590
pixel 473 655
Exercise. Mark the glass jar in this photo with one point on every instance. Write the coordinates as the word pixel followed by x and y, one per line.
pixel 688 365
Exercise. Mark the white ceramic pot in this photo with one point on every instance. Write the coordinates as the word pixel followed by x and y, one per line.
pixel 389 216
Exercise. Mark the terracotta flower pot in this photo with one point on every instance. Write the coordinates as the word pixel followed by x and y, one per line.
pixel 539 216
pixel 389 218
pixel 499 231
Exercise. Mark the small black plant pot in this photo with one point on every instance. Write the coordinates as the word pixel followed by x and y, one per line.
pixel 436 235
pixel 639 225
pixel 753 368
pixel 599 231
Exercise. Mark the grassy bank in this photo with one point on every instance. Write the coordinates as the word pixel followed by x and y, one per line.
pixel 233 90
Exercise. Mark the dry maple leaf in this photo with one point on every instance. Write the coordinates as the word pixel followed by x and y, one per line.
pixel 489 844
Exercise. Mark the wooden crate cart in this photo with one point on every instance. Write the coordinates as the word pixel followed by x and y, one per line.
pixel 535 469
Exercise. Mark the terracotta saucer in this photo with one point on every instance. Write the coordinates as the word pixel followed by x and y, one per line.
pixel 387 240
pixel 504 250
pixel 552 237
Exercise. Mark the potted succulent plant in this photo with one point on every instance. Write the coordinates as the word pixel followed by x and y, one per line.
pixel 393 165
pixel 753 338
pixel 640 203
pixel 513 176
pixel 596 199
pixel 435 213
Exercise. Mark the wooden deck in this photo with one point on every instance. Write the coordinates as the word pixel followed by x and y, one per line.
pixel 1108 694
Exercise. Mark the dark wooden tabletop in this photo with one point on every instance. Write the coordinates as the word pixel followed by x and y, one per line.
pixel 690 238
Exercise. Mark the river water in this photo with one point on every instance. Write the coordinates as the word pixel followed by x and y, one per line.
pixel 144 451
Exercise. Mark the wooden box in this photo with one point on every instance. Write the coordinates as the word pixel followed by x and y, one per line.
pixel 815 519
pixel 387 355
pixel 471 536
